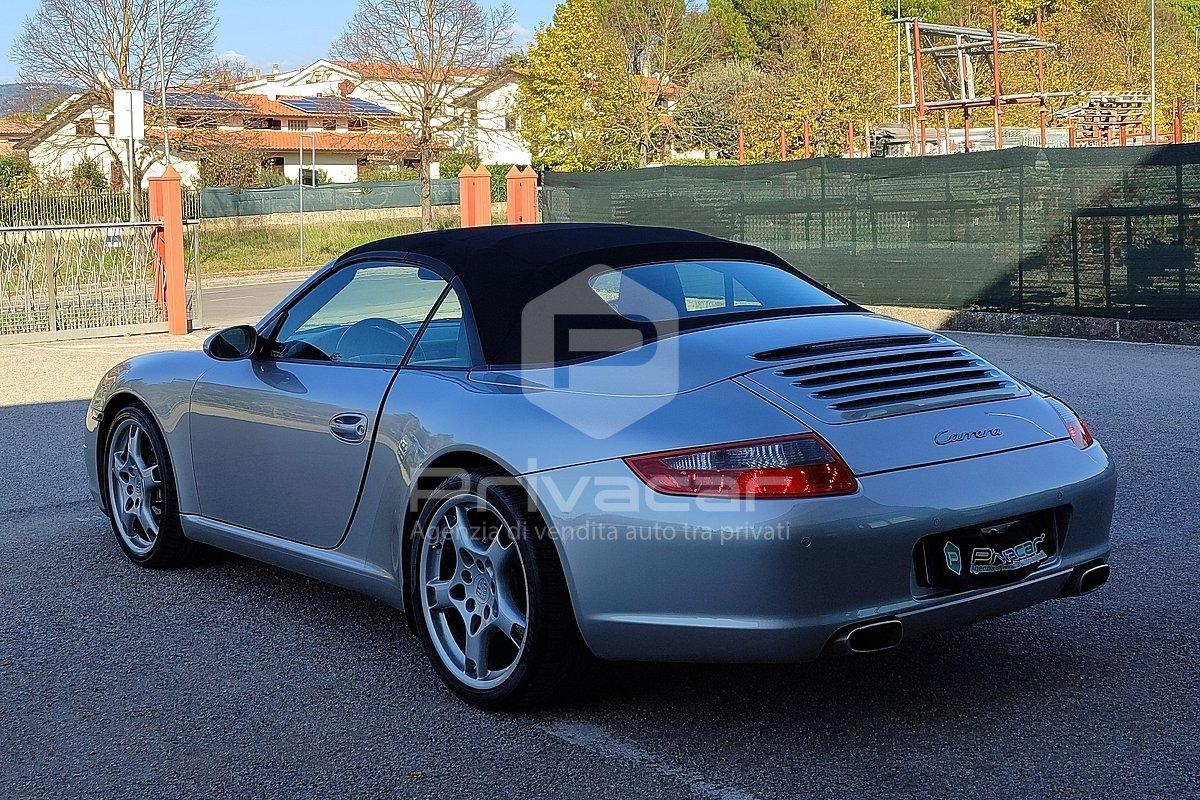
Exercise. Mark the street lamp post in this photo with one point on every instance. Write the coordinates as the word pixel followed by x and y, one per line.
pixel 1153 80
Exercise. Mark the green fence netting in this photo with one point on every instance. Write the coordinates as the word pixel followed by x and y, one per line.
pixel 1094 231
pixel 327 197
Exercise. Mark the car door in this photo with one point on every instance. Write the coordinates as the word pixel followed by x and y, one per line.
pixel 280 441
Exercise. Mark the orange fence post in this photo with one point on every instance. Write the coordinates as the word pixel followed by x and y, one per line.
pixel 166 207
pixel 1178 121
pixel 474 196
pixel 741 145
pixel 521 195
pixel 850 138
pixel 783 146
pixel 1124 136
pixel 807 149
pixel 1071 135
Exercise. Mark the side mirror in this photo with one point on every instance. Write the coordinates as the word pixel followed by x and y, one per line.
pixel 232 344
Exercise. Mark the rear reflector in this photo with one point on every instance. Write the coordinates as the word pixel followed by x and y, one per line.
pixel 1078 432
pixel 795 466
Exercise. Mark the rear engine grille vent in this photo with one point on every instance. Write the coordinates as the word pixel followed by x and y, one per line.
pixel 841 346
pixel 872 381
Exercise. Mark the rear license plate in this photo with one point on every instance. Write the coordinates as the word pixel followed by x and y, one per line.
pixel 988 554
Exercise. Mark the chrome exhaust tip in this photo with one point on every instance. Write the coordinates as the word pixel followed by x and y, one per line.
pixel 870 637
pixel 1086 579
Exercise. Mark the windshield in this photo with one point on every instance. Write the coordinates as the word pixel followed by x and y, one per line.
pixel 687 289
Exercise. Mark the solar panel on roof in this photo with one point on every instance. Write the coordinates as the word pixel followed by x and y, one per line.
pixel 335 105
pixel 198 100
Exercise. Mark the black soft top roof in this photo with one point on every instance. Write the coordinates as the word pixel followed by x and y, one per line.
pixel 502 268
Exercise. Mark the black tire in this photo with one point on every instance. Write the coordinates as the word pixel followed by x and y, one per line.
pixel 170 547
pixel 554 659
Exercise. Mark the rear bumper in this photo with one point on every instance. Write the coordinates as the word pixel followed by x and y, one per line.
pixel 679 579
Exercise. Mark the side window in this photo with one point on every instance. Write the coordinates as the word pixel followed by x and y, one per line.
pixel 444 342
pixel 359 315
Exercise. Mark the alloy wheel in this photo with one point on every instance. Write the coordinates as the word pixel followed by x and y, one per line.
pixel 135 491
pixel 474 591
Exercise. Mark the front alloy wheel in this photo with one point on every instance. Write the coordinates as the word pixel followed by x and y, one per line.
pixel 140 491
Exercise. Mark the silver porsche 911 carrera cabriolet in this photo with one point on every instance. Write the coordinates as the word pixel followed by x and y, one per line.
pixel 550 443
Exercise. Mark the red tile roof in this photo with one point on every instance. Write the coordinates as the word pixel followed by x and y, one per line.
pixel 10 127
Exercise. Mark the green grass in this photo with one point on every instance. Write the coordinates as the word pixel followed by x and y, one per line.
pixel 232 252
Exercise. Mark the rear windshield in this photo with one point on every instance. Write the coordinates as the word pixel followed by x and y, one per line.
pixel 687 289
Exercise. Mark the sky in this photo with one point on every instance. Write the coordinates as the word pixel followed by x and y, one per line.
pixel 266 32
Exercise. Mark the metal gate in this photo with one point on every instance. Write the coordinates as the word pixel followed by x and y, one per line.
pixel 68 281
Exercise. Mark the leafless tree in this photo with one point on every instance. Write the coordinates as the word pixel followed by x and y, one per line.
pixel 419 57
pixel 101 45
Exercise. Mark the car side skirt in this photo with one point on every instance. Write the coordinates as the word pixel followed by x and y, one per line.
pixel 330 566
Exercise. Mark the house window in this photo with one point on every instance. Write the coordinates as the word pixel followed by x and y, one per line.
pixel 329 124
pixel 85 127
pixel 273 164
pixel 357 124
pixel 262 124
pixel 510 122
pixel 297 124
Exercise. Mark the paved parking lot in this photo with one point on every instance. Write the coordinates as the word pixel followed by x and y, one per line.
pixel 234 679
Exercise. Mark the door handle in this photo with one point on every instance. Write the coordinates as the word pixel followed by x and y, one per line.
pixel 350 428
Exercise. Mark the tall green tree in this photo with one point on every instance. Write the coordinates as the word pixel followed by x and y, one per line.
pixel 576 101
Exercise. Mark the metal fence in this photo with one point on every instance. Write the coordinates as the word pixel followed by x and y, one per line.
pixel 1095 231
pixel 80 209
pixel 59 281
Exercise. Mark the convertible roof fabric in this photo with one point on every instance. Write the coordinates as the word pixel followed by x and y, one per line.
pixel 504 268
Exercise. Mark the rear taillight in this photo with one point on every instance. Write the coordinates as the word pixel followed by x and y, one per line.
pixel 795 466
pixel 1078 432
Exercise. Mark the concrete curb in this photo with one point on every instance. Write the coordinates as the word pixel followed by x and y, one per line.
pixel 1056 325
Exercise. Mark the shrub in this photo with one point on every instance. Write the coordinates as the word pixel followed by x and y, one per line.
pixel 16 173
pixel 86 176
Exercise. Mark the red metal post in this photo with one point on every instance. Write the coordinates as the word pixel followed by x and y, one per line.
pixel 921 144
pixel 966 130
pixel 1124 137
pixel 741 145
pixel 1071 134
pixel 997 83
pixel 807 147
pixel 166 206
pixel 850 138
pixel 521 195
pixel 1178 121
pixel 783 146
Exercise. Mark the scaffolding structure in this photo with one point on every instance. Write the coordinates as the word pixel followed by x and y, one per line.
pixel 956 54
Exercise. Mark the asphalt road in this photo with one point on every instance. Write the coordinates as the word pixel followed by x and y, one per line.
pixel 235 679
pixel 246 303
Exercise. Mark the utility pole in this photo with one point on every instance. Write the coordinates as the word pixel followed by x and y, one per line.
pixel 1153 80
pixel 162 84
pixel 899 84
pixel 312 137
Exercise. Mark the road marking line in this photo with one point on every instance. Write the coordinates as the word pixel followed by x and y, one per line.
pixel 604 742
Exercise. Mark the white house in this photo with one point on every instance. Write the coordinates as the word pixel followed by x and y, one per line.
pixel 484 102
pixel 340 134
pixel 350 115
